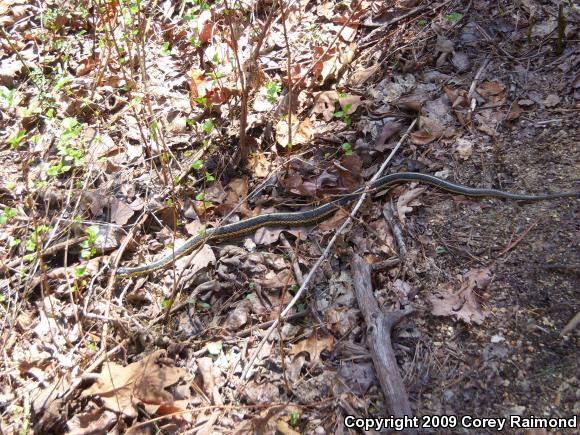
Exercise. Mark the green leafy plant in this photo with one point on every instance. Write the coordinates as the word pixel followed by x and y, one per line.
pixel 343 114
pixel 215 75
pixel 214 347
pixel 165 49
pixel 347 148
pixel 165 303
pixel 272 91
pixel 32 243
pixel 197 164
pixel 88 245
pixel 153 130
pixel 208 126
pixel 80 271
pixel 49 17
pixel 423 23
pixel 206 204
pixel 453 17
pixel 7 215
pixel 195 41
pixel 68 147
pixel 293 418
pixel 16 139
pixel 8 96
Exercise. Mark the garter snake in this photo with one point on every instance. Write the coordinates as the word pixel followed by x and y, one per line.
pixel 300 218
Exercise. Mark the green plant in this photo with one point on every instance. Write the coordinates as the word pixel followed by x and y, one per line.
pixel 153 130
pixel 165 303
pixel 88 245
pixel 16 139
pixel 165 49
pixel 293 418
pixel 206 204
pixel 423 23
pixel 453 17
pixel 57 168
pixel 68 148
pixel 197 164
pixel 194 41
pixel 80 271
pixel 272 91
pixel 32 243
pixel 203 102
pixel 346 147
pixel 7 215
pixel 48 18
pixel 343 114
pixel 214 347
pixel 215 75
pixel 207 126
pixel 7 96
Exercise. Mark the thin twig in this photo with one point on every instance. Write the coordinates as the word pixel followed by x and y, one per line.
pixel 516 242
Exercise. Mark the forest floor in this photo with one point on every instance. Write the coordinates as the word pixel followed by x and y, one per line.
pixel 120 139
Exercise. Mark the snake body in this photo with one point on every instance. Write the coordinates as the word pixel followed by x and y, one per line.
pixel 301 218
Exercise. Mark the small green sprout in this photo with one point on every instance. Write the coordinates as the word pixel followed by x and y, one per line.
pixel 347 148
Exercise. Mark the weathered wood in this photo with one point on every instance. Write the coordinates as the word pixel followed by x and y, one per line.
pixel 379 326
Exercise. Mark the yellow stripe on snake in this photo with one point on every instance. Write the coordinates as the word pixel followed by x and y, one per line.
pixel 301 218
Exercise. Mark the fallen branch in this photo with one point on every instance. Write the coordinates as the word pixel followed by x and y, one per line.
pixel 379 326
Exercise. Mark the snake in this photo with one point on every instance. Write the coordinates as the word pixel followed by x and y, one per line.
pixel 303 218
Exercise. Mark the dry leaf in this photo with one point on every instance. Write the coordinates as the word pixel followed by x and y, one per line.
pixel 352 101
pixel 199 259
pixel 360 76
pixel 334 222
pixel 460 61
pixel 488 89
pixel 269 235
pixel 95 421
pixel 283 278
pixel 324 103
pixel 464 148
pixel 198 86
pixel 120 212
pixel 204 26
pixel 430 130
pixel 552 100
pixel 259 165
pixel 122 388
pixel 301 131
pixel 87 64
pixel 238 317
pixel 463 304
pixel 313 345
pixel 514 112
pixel 9 70
pixel 406 202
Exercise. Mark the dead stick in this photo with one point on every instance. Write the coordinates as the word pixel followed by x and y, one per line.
pixel 516 242
pixel 379 326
